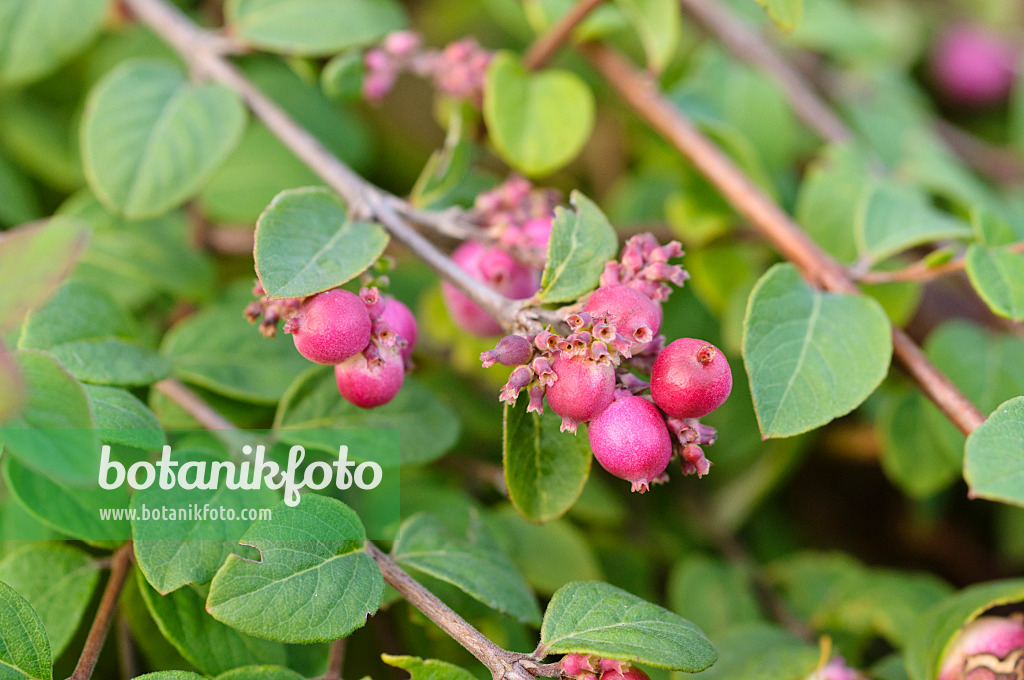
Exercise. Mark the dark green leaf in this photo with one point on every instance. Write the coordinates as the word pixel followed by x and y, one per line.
pixel 122 418
pixel 25 652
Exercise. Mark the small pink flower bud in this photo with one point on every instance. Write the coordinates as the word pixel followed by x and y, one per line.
pixel 694 461
pixel 402 43
pixel 520 377
pixel 546 341
pixel 578 321
pixel 545 374
pixel 574 664
pixel 536 404
pixel 511 350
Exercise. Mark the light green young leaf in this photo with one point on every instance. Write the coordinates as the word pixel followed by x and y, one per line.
pixel 427 669
pixel 25 653
pixel 151 139
pixel 811 356
pixel 472 565
pixel 892 219
pixel 427 426
pixel 37 36
pixel 581 242
pixel 305 243
pixel 785 13
pixel 545 469
pixel 58 581
pixel 936 629
pixel 994 455
pixel 598 618
pixel 997 274
pixel 313 571
pixel 313 27
pixel 826 205
pixel 206 643
pixel 52 433
pixel 659 24
pixel 33 261
pixel 537 121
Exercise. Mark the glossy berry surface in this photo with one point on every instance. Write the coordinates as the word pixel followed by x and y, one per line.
pixel 631 441
pixel 494 268
pixel 330 327
pixel 690 378
pixel 368 385
pixel 401 320
pixel 583 389
pixel 981 645
pixel 629 308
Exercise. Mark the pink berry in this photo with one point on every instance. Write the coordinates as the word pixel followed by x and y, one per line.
pixel 574 664
pixel 582 390
pixel 981 645
pixel 973 66
pixel 690 378
pixel 330 327
pixel 496 269
pixel 370 384
pixel 538 232
pixel 627 672
pixel 401 320
pixel 631 312
pixel 631 441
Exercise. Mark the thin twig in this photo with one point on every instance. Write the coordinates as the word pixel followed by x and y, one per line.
pixel 548 44
pixel 201 50
pixel 748 45
pixel 999 164
pixel 128 661
pixel 119 565
pixel 922 271
pixel 335 660
pixel 193 404
pixel 642 94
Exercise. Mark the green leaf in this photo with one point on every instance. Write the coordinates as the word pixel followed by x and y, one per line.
pixel 757 651
pixel 18 201
pixel 785 13
pixel 52 433
pixel 151 139
pixel 449 166
pixel 538 122
pixel 77 311
pixel 427 669
pixel 998 276
pixel 170 675
pixel 218 349
pixel 260 168
pixel 713 594
pixel 260 673
pixel 597 618
pixel 58 581
pixel 994 456
pixel 112 362
pixel 313 571
pixel 474 566
pixel 828 199
pixel 121 418
pixel 13 394
pixel 912 454
pixel 33 261
pixel 427 426
pixel 811 356
pixel 305 243
pixel 203 641
pixel 342 77
pixel 937 628
pixel 545 469
pixel 991 230
pixel 313 27
pixel 41 135
pixel 190 550
pixel 581 242
pixel 659 24
pixel 892 219
pixel 37 36
pixel 25 653
pixel 71 510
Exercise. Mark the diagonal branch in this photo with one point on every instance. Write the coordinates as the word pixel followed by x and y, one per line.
pixel 202 51
pixel 641 93
pixel 119 565
pixel 541 52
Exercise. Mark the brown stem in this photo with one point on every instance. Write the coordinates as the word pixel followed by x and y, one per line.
pixel 748 45
pixel 545 47
pixel 201 49
pixel 119 565
pixel 335 661
pixel 128 662
pixel 641 93
pixel 193 404
pixel 921 271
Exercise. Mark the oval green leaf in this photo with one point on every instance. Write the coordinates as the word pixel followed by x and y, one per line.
pixel 427 669
pixel 306 243
pixel 598 618
pixel 811 356
pixel 538 122
pixel 312 560
pixel 581 242
pixel 151 138
pixel 997 274
pixel 37 36
pixel 25 654
pixel 994 455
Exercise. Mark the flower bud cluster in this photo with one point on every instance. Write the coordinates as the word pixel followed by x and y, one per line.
pixel 587 667
pixel 644 266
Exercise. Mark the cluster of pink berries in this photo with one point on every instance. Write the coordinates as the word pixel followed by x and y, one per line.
pixel 587 375
pixel 457 70
pixel 368 338
pixel 988 648
pixel 586 667
pixel 517 221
